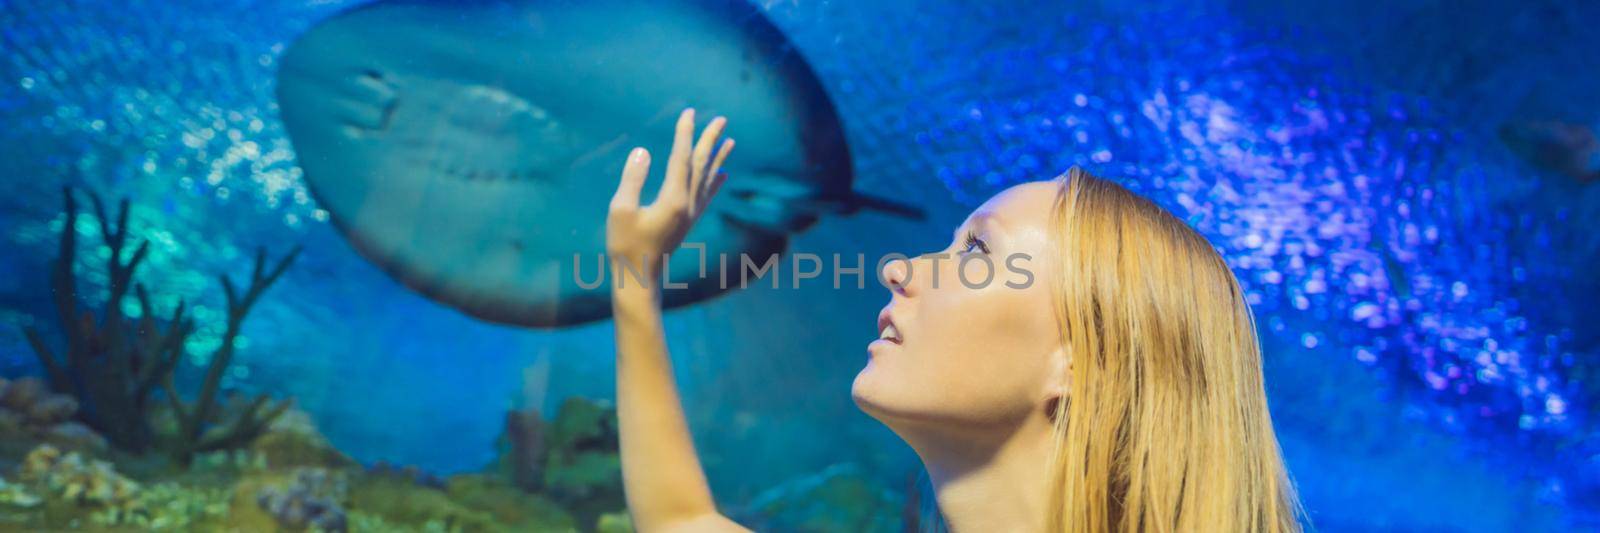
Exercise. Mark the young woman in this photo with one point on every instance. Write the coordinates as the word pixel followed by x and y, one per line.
pixel 1107 379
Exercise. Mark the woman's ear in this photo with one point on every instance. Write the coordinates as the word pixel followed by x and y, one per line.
pixel 1058 382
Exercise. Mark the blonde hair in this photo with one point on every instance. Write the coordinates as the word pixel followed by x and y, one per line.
pixel 1165 425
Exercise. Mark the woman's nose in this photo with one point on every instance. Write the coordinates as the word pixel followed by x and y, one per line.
pixel 896 273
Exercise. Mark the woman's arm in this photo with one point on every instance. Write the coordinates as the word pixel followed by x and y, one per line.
pixel 665 487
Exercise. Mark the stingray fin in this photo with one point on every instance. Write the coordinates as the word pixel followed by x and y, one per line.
pixel 885 205
pixel 786 209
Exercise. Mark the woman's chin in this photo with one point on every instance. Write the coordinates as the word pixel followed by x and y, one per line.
pixel 872 394
pixel 892 414
pixel 863 391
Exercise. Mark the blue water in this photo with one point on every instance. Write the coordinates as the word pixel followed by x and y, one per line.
pixel 1425 295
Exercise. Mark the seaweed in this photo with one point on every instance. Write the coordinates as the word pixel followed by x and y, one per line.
pixel 113 365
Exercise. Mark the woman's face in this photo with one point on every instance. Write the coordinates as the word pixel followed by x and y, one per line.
pixel 965 350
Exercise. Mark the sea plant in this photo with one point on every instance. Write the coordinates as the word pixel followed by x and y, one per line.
pixel 114 363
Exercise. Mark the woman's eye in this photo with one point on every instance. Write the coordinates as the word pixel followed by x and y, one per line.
pixel 973 242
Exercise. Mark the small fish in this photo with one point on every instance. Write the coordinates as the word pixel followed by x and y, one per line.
pixel 1572 150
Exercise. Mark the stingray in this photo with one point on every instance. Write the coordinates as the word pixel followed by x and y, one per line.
pixel 470 149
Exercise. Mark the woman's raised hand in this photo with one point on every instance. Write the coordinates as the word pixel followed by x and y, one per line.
pixel 661 476
pixel 643 236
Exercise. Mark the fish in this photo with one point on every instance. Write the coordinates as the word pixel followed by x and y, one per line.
pixel 470 149
pixel 1565 148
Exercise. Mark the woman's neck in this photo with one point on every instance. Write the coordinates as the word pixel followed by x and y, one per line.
pixel 990 482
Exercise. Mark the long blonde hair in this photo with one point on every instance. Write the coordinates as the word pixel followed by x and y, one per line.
pixel 1165 425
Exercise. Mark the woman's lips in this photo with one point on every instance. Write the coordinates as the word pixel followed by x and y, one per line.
pixel 888 332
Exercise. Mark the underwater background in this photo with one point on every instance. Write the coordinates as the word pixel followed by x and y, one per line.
pixel 1407 190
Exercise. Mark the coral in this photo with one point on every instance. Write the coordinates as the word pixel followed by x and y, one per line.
pixel 168 507
pixel 18 396
pixel 313 499
pixel 522 449
pixel 361 522
pixel 29 411
pixel 74 436
pixel 510 506
pixel 583 469
pixel 408 473
pixel 408 504
pixel 369 523
pixel 572 459
pixel 244 490
pixel 72 478
pixel 614 523
pixel 234 460
pixel 113 365
pixel 292 440
pixel 17 495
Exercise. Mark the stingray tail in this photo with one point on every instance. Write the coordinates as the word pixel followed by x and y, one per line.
pixel 893 207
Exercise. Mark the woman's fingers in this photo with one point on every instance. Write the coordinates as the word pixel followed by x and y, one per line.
pixel 714 178
pixel 633 175
pixel 693 170
pixel 675 188
pixel 702 149
pixel 722 155
pixel 708 140
pixel 701 159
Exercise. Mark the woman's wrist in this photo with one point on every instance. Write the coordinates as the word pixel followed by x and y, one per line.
pixel 636 269
pixel 633 284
